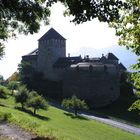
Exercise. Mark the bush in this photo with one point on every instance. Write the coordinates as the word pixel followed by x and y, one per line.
pixel 4 92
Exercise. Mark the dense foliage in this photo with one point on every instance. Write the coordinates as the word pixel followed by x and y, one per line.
pixel 4 92
pixel 13 85
pixel 13 77
pixel 31 78
pixel 75 104
pixel 22 96
pixel 36 102
pixel 25 16
pixel 128 30
pixel 1 80
pixel 86 10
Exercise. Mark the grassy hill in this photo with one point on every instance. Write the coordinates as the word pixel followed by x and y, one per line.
pixel 60 124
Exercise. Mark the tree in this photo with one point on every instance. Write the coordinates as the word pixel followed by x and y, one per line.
pixel 30 77
pixel 86 10
pixel 3 92
pixel 13 77
pixel 135 105
pixel 37 102
pixel 25 16
pixel 128 30
pixel 22 96
pixel 25 72
pixel 1 51
pixel 75 104
pixel 1 80
pixel 13 85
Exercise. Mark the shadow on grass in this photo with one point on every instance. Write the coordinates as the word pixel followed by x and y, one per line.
pixel 75 117
pixel 44 138
pixel 32 114
pixel 119 110
pixel 3 105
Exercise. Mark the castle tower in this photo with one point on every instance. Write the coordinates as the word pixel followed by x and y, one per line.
pixel 51 47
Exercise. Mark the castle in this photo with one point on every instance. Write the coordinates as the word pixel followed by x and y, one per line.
pixel 95 80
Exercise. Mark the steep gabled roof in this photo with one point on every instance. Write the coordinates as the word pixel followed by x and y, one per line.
pixel 52 34
pixel 122 67
pixel 111 56
pixel 31 56
pixel 34 52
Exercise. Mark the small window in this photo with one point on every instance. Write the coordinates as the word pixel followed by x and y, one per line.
pixel 90 68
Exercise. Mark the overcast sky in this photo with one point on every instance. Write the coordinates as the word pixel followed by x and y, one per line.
pixel 91 38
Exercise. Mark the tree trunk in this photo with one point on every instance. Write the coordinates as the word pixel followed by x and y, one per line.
pixel 75 112
pixel 34 111
pixel 22 105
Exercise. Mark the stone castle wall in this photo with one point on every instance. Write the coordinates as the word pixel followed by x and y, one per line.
pixel 49 52
pixel 97 88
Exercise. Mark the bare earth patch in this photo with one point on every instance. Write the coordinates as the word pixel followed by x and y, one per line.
pixel 11 132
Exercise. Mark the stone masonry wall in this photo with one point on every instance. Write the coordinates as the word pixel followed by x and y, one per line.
pixel 49 52
pixel 97 88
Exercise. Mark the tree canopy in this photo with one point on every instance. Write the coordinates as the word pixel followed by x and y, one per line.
pixel 25 16
pixel 85 10
pixel 128 26
pixel 128 30
pixel 22 16
pixel 74 103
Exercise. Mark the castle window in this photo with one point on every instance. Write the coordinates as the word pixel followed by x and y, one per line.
pixel 90 68
pixel 105 68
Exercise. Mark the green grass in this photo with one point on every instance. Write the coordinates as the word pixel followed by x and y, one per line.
pixel 119 111
pixel 62 125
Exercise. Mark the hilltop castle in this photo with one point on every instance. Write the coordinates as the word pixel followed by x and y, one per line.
pixel 95 80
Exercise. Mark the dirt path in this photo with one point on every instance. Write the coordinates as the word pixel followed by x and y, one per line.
pixel 13 132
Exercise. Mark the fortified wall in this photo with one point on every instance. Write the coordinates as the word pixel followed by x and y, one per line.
pixel 95 80
pixel 99 87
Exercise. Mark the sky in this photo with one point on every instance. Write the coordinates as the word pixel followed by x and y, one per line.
pixel 92 38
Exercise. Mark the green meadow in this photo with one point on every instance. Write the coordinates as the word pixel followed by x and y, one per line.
pixel 60 124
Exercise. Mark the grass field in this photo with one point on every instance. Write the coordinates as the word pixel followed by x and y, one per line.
pixel 119 111
pixel 60 124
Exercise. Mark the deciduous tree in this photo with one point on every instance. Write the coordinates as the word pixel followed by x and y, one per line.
pixel 37 102
pixel 22 96
pixel 25 16
pixel 128 30
pixel 75 104
pixel 13 85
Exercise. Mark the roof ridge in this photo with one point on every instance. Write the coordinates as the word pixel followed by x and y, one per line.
pixel 52 34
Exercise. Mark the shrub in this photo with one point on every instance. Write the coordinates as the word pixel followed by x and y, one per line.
pixel 4 92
